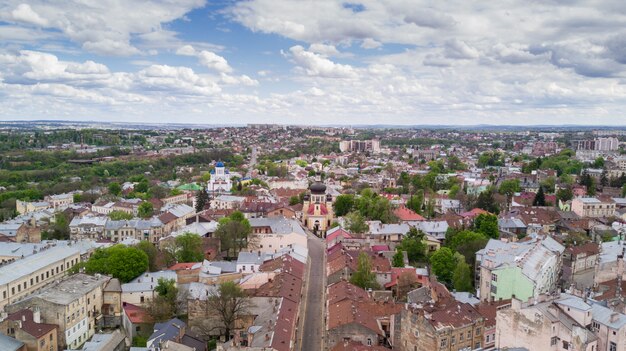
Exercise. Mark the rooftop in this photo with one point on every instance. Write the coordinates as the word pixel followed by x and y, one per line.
pixel 30 264
pixel 72 288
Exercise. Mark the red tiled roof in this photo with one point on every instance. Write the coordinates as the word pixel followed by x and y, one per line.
pixel 285 324
pixel 339 232
pixel 379 248
pixel 167 217
pixel 396 272
pixel 406 214
pixel 136 314
pixel 488 311
pixel 37 330
pixel 182 266
pixel 323 209
pixel 475 212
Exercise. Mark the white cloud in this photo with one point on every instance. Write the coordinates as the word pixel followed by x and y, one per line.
pixel 457 49
pixel 206 58
pixel 369 43
pixel 316 65
pixel 324 49
pixel 24 13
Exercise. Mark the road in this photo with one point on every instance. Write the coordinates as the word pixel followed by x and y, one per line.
pixel 314 299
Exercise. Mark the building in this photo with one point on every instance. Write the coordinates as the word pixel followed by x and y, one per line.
pixel 59 201
pixel 220 180
pixel 518 269
pixel 360 146
pixel 87 227
pixel 593 207
pixel 140 229
pixel 271 235
pixel 317 209
pixel 23 277
pixel 141 289
pixel 8 343
pixel 74 304
pixel 26 326
pixel 24 207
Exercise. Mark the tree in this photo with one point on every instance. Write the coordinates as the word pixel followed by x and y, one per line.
pixel 120 261
pixel 509 187
pixel 120 215
pixel 234 233
pixel 454 190
pixel 294 200
pixel 201 199
pixel 407 281
pixel 624 190
pixel 229 302
pixel 398 259
pixel 413 244
pixel 142 186
pixel 415 202
pixel 145 209
pixel 442 263
pixel 151 251
pixel 355 223
pixel 188 248
pixel 364 277
pixel 564 194
pixel 115 188
pixel 488 225
pixel 343 204
pixel 540 198
pixel 164 306
pixel 60 228
pixel 462 277
pixel 487 202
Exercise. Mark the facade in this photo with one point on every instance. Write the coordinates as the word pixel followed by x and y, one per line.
pixel 25 325
pixel 23 277
pixel 220 180
pixel 360 145
pixel 317 209
pixel 140 229
pixel 518 269
pixel 87 227
pixel 593 207
pixel 74 304
pixel 60 200
pixel 271 235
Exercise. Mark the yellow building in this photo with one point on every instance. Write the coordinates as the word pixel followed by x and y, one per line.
pixel 317 209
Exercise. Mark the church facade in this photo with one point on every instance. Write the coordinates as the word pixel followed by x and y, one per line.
pixel 220 181
pixel 317 209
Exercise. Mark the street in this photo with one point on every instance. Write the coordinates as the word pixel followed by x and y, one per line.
pixel 314 302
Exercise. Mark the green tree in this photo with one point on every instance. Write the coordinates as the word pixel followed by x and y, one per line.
pixel 487 224
pixel 60 228
pixel 462 276
pixel 355 223
pixel 564 194
pixel 413 244
pixel 188 248
pixel 540 198
pixel 624 190
pixel 509 187
pixel 202 197
pixel 415 202
pixel 234 233
pixel 343 204
pixel 115 188
pixel 164 305
pixel 229 302
pixel 120 215
pixel 487 202
pixel 398 259
pixel 152 253
pixel 454 190
pixel 442 263
pixel 142 186
pixel 294 200
pixel 120 261
pixel 145 210
pixel 364 277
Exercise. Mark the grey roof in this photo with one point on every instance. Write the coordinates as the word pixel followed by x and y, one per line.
pixel 250 258
pixel 72 288
pixel 603 315
pixel 32 263
pixel 147 281
pixel 9 229
pixel 7 343
pixel 610 250
pixel 573 302
pixel 140 224
pixel 279 225
pixel 217 267
pixel 511 223
pixel 378 228
pixel 200 291
pixel 88 220
pixel 165 331
pixel 104 342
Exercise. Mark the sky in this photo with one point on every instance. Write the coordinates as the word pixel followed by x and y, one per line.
pixel 403 62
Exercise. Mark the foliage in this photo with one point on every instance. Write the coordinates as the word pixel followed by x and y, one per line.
pixel 118 215
pixel 355 223
pixel 454 190
pixel 343 204
pixel 120 261
pixel 415 202
pixel 364 277
pixel 229 302
pixel 624 190
pixel 413 244
pixel 374 207
pixel 139 341
pixel 564 194
pixel 467 243
pixel 488 225
pixel 406 282
pixel 442 263
pixel 563 163
pixel 60 228
pixel 294 200
pixel 462 276
pixel 151 251
pixel 509 187
pixel 234 233
pixel 145 209
pixel 202 197
pixel 115 188
pixel 188 248
pixel 540 198
pixel 490 159
pixel 487 202
pixel 398 259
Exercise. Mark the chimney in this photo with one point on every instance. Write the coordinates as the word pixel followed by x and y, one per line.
pixel 37 315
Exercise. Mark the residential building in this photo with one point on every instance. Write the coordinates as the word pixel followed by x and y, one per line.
pixel 87 227
pixel 25 276
pixel 270 235
pixel 26 326
pixel 522 269
pixel 141 289
pixel 593 207
pixel 140 229
pixel 74 304
pixel 360 146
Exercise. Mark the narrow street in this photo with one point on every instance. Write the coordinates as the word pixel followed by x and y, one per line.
pixel 312 330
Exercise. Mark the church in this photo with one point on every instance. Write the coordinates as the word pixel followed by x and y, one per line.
pixel 317 209
pixel 220 181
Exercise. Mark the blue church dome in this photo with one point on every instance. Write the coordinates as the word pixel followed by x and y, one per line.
pixel 219 164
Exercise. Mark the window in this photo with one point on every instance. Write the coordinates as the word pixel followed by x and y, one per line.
pixel 494 277
pixel 469 334
pixel 453 340
pixel 443 343
pixel 461 337
pixel 369 342
pixel 553 341
pixel 42 342
pixel 565 345
pixel 478 331
pixel 612 346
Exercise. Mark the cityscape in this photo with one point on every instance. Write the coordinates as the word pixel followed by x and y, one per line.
pixel 288 175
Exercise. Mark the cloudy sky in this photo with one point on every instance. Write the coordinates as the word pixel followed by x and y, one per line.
pixel 314 61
